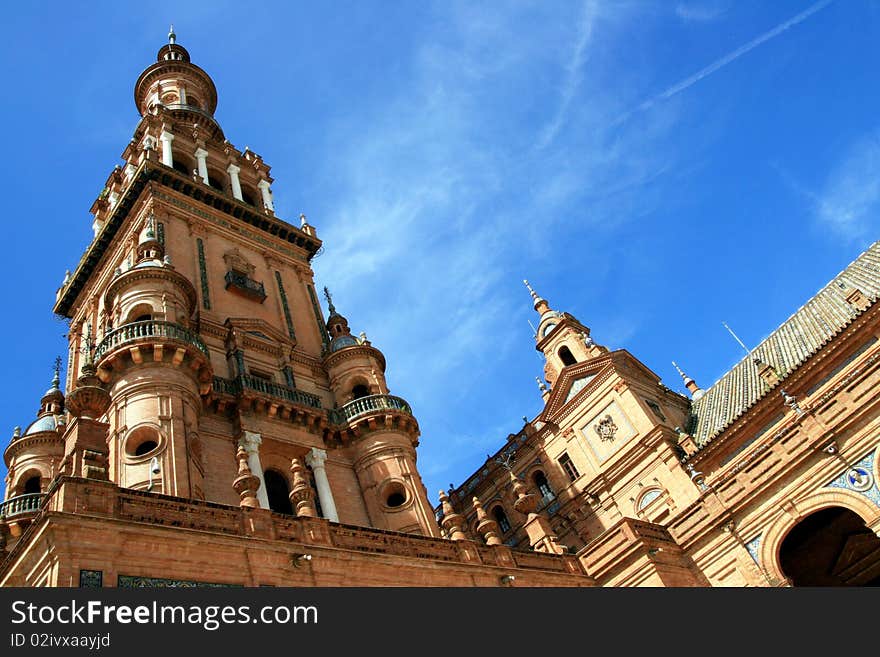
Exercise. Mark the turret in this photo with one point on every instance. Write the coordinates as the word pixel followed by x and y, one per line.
pixel 382 430
pixel 562 339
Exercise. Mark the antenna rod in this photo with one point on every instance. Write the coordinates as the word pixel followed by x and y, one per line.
pixel 745 348
pixel 534 330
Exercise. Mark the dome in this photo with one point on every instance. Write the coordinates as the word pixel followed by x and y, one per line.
pixel 45 423
pixel 342 341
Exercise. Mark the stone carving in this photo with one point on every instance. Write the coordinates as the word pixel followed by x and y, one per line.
pixel 606 429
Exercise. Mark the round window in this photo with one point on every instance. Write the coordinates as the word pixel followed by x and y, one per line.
pixel 394 495
pixel 142 441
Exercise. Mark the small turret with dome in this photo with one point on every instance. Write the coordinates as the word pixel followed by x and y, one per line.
pixel 33 457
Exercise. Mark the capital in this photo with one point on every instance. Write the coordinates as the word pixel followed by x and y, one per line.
pixel 233 169
pixel 166 136
pixel 200 153
pixel 316 457
pixel 251 442
pixel 263 184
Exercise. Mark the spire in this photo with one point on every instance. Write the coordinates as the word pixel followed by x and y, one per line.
pixel 540 303
pixel 172 37
pixel 689 383
pixel 56 379
pixel 329 298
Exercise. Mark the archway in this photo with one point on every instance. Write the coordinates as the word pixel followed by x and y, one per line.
pixel 278 492
pixel 831 547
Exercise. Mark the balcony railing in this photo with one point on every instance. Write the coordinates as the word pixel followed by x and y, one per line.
pixel 366 405
pixel 245 285
pixel 248 382
pixel 22 504
pixel 148 329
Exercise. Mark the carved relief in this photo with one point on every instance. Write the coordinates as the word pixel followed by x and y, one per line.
pixel 606 429
pixel 235 261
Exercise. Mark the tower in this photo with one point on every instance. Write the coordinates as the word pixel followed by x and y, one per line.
pixel 200 364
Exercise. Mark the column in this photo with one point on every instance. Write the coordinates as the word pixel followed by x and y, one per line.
pixel 267 195
pixel 233 170
pixel 251 443
pixel 166 138
pixel 315 460
pixel 201 157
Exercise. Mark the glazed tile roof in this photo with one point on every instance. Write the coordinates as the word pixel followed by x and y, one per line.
pixel 786 348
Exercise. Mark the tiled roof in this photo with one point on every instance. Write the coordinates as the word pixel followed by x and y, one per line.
pixel 786 349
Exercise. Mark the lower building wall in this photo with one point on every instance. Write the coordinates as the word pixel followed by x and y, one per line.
pixel 99 528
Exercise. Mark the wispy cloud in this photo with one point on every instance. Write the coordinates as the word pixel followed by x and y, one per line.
pixel 573 72
pixel 848 201
pixel 700 12
pixel 732 56
pixel 442 204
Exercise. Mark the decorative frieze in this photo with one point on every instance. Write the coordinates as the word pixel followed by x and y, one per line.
pixel 285 306
pixel 203 275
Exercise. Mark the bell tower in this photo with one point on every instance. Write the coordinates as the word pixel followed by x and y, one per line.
pixel 562 339
pixel 200 363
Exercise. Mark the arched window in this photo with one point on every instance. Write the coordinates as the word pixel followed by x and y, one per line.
pixel 278 492
pixel 542 485
pixel 183 165
pixel 247 197
pixel 143 318
pixel 31 485
pixel 501 519
pixel 214 180
pixel 566 357
pixel 360 390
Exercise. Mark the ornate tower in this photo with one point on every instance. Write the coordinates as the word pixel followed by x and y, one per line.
pixel 200 364
pixel 561 338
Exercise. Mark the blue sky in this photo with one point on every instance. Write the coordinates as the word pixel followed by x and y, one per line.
pixel 654 168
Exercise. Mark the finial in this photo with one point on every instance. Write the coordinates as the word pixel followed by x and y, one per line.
pixel 506 461
pixel 791 402
pixel 684 376
pixel 531 291
pixel 172 37
pixel 302 220
pixel 329 300
pixel 56 380
pixel 16 432
pixel 151 231
pixel 541 385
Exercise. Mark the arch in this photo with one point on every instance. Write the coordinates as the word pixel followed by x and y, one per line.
pixel 566 356
pixel 29 481
pixel 501 519
pixel 184 164
pixel 831 547
pixel 216 179
pixel 539 479
pixel 648 496
pixel 247 195
pixel 278 492
pixel 142 312
pixel 360 390
pixel 771 541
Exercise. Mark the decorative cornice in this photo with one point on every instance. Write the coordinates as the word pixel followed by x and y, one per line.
pixel 143 273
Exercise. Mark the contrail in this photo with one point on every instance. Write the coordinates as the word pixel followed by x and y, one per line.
pixel 724 61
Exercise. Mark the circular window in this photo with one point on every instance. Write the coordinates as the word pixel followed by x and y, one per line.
pixel 394 495
pixel 142 441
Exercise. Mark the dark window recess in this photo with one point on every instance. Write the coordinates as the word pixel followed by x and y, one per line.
pixel 566 356
pixel 242 284
pixel 261 375
pixel 501 518
pixel 145 447
pixel 91 579
pixel 32 485
pixel 568 466
pixel 543 485
pixel 278 492
pixel 359 391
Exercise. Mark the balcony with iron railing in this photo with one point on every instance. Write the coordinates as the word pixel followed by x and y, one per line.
pixel 367 405
pixel 247 382
pixel 147 331
pixel 245 285
pixel 21 506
